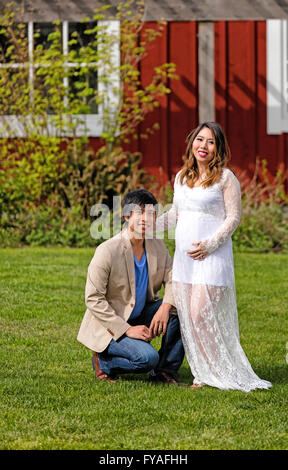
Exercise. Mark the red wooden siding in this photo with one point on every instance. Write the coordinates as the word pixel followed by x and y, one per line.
pixel 183 111
pixel 178 113
pixel 155 148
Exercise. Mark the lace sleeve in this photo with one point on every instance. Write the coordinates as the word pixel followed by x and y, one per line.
pixel 232 200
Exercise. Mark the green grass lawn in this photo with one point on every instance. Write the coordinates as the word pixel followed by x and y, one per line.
pixel 50 399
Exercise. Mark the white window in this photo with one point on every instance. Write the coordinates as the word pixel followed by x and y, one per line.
pixel 277 76
pixel 92 122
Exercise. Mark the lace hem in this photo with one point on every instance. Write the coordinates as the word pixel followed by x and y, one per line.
pixel 210 334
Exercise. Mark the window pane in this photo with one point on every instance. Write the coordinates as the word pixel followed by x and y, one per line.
pixel 285 67
pixel 82 87
pixel 14 49
pixel 43 98
pixel 14 91
pixel 77 33
pixel 48 79
pixel 41 34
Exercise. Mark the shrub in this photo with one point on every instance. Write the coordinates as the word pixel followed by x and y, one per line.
pixel 45 226
pixel 264 222
pixel 63 217
pixel 89 179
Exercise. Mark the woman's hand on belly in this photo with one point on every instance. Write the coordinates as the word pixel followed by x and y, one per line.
pixel 199 253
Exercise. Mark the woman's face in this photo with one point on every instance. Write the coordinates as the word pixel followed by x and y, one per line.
pixel 203 147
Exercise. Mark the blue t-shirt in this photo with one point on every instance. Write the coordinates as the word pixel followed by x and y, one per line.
pixel 141 280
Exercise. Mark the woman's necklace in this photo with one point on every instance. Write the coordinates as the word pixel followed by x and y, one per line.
pixel 202 177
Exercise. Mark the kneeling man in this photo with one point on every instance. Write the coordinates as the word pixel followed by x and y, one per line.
pixel 124 311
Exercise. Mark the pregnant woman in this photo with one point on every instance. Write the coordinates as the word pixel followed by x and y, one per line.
pixel 206 211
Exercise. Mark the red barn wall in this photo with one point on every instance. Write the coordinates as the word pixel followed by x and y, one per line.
pixel 240 97
pixel 178 113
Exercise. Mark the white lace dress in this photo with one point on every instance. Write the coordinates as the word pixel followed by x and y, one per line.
pixel 204 290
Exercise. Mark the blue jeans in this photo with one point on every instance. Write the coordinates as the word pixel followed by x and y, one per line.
pixel 129 355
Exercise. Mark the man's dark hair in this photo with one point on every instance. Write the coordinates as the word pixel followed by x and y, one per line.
pixel 138 198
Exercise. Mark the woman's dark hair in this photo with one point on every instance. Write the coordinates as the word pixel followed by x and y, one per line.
pixel 137 198
pixel 220 159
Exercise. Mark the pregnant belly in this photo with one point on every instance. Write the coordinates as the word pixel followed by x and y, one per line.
pixel 194 227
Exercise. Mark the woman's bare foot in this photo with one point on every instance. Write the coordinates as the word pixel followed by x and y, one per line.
pixel 197 385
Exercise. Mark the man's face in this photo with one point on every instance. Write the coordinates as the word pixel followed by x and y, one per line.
pixel 141 221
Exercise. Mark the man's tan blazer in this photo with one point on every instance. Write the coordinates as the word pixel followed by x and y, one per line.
pixel 110 288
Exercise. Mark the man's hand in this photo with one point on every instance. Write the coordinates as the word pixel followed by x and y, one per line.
pixel 159 322
pixel 139 332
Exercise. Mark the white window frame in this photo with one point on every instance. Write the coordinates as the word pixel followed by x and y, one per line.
pixel 277 76
pixel 91 124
